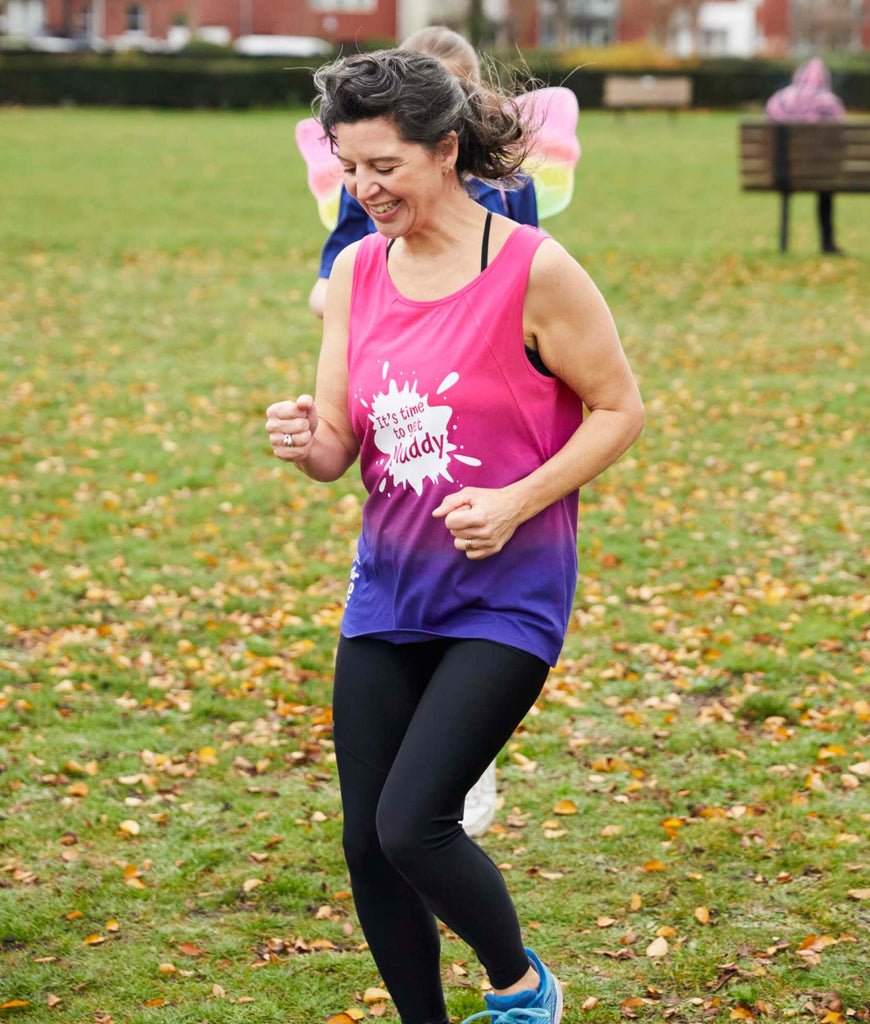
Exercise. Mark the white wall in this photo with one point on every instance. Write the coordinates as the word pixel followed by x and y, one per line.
pixel 24 17
pixel 723 30
pixel 728 29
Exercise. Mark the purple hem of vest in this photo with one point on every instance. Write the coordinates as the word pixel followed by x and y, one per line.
pixel 419 636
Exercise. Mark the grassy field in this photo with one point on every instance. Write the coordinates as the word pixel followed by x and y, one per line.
pixel 170 596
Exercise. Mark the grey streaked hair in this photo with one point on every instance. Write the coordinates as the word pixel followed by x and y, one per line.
pixel 426 102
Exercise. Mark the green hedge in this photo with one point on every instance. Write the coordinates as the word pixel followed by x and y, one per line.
pixel 854 88
pixel 233 84
pixel 731 82
pixel 721 84
pixel 238 84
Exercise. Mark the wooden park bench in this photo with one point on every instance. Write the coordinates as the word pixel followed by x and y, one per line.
pixel 648 92
pixel 785 158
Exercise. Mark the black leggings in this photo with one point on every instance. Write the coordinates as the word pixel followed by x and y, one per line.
pixel 415 727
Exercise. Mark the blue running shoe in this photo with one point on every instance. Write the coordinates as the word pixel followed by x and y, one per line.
pixel 515 1015
pixel 543 1006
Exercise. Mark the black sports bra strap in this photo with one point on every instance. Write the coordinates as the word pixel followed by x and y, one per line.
pixel 484 247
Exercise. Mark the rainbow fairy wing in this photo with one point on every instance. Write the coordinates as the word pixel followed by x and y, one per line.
pixel 324 170
pixel 553 114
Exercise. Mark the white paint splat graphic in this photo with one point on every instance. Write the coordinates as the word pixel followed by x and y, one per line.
pixel 448 382
pixel 413 434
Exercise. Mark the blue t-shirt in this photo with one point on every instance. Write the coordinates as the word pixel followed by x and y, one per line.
pixel 353 224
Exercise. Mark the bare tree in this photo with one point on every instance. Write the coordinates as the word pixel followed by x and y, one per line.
pixel 831 25
pixel 476 23
pixel 662 13
pixel 561 22
pixel 193 16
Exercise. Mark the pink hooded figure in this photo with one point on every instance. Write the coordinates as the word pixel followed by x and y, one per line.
pixel 809 99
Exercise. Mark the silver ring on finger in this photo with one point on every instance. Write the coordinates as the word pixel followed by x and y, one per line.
pixel 288 441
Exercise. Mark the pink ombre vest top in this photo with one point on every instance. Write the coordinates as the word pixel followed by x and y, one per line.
pixel 442 396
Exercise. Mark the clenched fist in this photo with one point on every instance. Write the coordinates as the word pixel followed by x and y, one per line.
pixel 481 520
pixel 291 427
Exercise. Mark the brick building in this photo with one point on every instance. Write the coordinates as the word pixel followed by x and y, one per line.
pixel 336 21
pixel 748 27
pixel 333 20
pixel 726 27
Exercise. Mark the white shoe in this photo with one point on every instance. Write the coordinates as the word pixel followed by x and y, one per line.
pixel 479 811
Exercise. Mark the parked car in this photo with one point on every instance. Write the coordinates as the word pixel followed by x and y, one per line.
pixel 138 41
pixel 54 44
pixel 40 44
pixel 282 46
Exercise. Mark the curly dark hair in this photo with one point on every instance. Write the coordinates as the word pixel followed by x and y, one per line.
pixel 426 102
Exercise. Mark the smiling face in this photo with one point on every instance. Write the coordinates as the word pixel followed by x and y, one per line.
pixel 398 183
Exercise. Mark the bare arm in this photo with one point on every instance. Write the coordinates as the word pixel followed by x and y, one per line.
pixel 323 444
pixel 579 343
pixel 569 320
pixel 317 298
